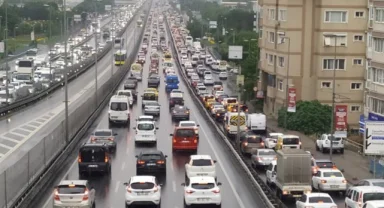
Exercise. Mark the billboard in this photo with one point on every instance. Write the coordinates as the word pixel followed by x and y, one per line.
pixel 212 24
pixel 291 100
pixel 235 52
pixel 108 7
pixel 374 138
pixel 77 18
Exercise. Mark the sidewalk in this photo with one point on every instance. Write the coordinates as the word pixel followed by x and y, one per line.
pixel 355 166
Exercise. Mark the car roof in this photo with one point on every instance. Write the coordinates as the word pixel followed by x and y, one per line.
pixel 368 188
pixel 145 122
pixel 318 194
pixel 145 116
pixel 201 157
pixel 75 182
pixel 94 145
pixel 276 134
pixel 138 179
pixel 330 170
pixel 373 180
pixel 322 160
pixel 180 106
pixel 375 202
pixel 104 130
pixel 202 179
pixel 183 122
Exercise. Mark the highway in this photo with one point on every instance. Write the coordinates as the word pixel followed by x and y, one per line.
pixel 236 191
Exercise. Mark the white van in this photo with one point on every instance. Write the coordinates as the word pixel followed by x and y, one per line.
pixel 145 132
pixel 222 66
pixel 231 119
pixel 374 204
pixel 215 65
pixel 208 61
pixel 257 122
pixel 127 93
pixel 358 195
pixel 119 109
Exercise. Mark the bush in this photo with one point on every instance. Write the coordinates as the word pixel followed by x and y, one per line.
pixel 311 117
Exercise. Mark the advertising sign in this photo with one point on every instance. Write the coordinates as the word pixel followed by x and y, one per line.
pixel 213 24
pixel 374 138
pixel 341 117
pixel 291 100
pixel 77 18
pixel 235 52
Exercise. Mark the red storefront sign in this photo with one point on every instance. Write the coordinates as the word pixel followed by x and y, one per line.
pixel 291 100
pixel 341 117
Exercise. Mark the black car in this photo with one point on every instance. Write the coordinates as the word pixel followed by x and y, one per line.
pixel 94 157
pixel 175 101
pixel 153 81
pixel 130 83
pixel 180 112
pixel 151 162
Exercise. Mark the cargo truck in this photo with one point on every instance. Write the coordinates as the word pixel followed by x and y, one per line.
pixel 293 173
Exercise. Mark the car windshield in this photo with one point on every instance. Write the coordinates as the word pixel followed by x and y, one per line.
pixel 320 199
pixel 291 141
pixel 187 124
pixel 201 162
pixel 381 184
pixel 149 96
pixel 185 133
pixel 145 126
pixel 231 100
pixel 266 152
pixel 152 104
pixel 70 189
pixel 119 106
pixel 254 139
pixel 128 94
pixel 103 133
pixel 150 157
pixel 332 174
pixel 142 185
pixel 373 196
pixel 203 185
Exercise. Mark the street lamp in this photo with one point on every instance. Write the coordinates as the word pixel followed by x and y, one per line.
pixel 50 20
pixel 286 80
pixel 64 6
pixel 233 35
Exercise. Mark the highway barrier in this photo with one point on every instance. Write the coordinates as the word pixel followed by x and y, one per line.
pixel 24 176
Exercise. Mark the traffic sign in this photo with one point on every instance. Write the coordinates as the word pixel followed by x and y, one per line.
pixel 374 138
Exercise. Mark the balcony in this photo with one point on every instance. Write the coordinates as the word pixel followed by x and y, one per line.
pixel 374 87
pixel 271 92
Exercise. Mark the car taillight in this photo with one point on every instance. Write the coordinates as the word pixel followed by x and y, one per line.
pixel 56 195
pixel 195 141
pixel 106 159
pixel 160 162
pixel 174 140
pixel 323 181
pixel 245 143
pixel 86 197
pixel 259 158
pixel 111 139
pixel 141 162
pixel 93 139
pixel 344 181
pixel 171 101
pixel 216 191
pixel 79 159
pixel 262 144
pixel 189 191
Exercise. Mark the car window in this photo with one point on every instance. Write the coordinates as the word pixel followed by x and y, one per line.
pixel 103 133
pixel 142 185
pixel 355 196
pixel 289 141
pixel 201 162
pixel 254 140
pixel 128 94
pixel 320 199
pixel 119 106
pixel 203 185
pixel 69 189
pixel 150 157
pixel 145 126
pixel 373 196
pixel 187 124
pixel 261 152
pixel 303 198
pixel 381 184
pixel 332 174
pixel 324 164
pixel 185 133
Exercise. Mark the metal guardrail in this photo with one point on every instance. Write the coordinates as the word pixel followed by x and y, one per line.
pixel 269 199
pixel 22 181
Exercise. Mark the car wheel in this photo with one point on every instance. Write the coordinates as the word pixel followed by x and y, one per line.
pixel 323 150
pixel 218 206
pixel 94 205
pixel 185 205
pixel 317 147
pixel 342 151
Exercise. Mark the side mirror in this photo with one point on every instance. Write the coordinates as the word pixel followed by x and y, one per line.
pixel 125 184
pixel 183 184
pixel 115 134
pixel 160 184
pixel 197 125
pixel 157 128
pixel 219 184
pixel 214 161
pixel 136 156
pixel 273 173
pixel 170 134
pixel 134 128
pixel 165 156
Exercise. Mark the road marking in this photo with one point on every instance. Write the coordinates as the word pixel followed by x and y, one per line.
pixel 123 166
pixel 174 186
pixel 5 146
pixel 172 168
pixel 117 186
pixel 127 151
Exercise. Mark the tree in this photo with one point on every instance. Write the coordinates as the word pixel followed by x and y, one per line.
pixel 311 117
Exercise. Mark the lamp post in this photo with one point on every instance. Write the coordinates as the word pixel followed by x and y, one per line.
pixel 6 51
pixel 14 32
pixel 286 81
pixel 233 36
pixel 0 26
pixel 66 71
pixel 50 20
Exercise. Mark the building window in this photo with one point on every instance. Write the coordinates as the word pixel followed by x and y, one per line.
pixel 260 32
pixel 266 56
pixel 272 80
pixel 359 14
pixel 379 17
pixel 371 13
pixel 336 16
pixel 378 45
pixel 326 84
pixel 376 75
pixel 376 105
pixel 355 108
pixel 271 14
pixel 280 84
pixel 358 38
pixel 281 61
pixel 358 62
pixel 338 40
pixel 271 38
pixel 282 15
pixel 270 59
pixel 356 85
pixel 329 64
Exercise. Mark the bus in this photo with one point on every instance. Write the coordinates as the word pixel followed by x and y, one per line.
pixel 31 53
pixel 120 57
pixel 118 44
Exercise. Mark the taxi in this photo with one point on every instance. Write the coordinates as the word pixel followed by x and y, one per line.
pixel 154 90
pixel 208 103
pixel 232 107
pixel 167 57
pixel 207 97
pixel 329 179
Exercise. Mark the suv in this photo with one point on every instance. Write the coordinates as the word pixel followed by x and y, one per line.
pixel 143 190
pixel 94 157
pixel 249 142
pixel 323 143
pixel 151 161
pixel 74 193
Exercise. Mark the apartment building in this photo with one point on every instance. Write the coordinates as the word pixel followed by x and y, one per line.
pixel 374 91
pixel 304 43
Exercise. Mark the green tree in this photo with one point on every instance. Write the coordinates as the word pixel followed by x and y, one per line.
pixel 311 117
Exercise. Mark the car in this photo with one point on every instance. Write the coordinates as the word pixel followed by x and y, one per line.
pixel 188 65
pixel 74 193
pixel 217 85
pixel 315 200
pixel 143 190
pixel 329 179
pixel 203 187
pixel 373 204
pixel 104 136
pixel 323 143
pixel 356 196
pixel 153 161
pixel 145 132
pixel 175 98
pixel 195 79
pixel 221 98
pixel 218 93
pixel 371 182
pixel 190 124
pixel 223 75
pixel 208 80
pixel 271 140
pixel 153 80
pixel 94 157
pixel 271 174
pixel 262 157
pixel 201 90
pixel 152 108
pixel 216 107
pixel 200 70
pixel 145 118
pixel 180 112
pixel 200 165
pixel 184 139
pixel 249 142
pixel 183 61
pixel 190 71
pixel 129 94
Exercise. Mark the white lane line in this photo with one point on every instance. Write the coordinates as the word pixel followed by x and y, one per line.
pixel 220 164
pixel 5 146
pixel 174 186
pixel 172 168
pixel 123 166
pixel 117 186
pixel 127 151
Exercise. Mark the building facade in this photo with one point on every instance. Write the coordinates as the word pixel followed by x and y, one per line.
pixel 304 43
pixel 374 91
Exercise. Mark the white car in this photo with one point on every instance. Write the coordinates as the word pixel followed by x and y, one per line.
pixel 188 64
pixel 329 179
pixel 145 132
pixel 169 71
pixel 200 165
pixel 127 93
pixel 271 141
pixel 316 200
pixel 201 90
pixel 208 61
pixel 223 75
pixel 202 190
pixel 143 190
pixel 190 71
pixel 74 193
pixel 190 124
pixel 323 143
pixel 208 80
pixel 195 78
pixel 146 118
pixel 184 60
pixel 218 93
pixel 215 108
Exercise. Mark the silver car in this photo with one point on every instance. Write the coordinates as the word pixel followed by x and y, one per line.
pixel 152 108
pixel 263 157
pixel 74 193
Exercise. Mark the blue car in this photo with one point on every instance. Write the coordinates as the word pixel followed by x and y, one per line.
pixel 172 82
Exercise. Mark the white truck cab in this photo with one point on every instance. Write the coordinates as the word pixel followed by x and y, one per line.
pixel 145 132
pixel 118 110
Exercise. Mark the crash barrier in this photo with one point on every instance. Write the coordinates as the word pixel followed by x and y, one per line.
pixel 28 176
pixel 266 194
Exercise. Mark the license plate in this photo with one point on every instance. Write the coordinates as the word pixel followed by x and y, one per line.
pixel 151 164
pixel 142 193
pixel 184 141
pixel 113 116
pixel 202 174
pixel 335 142
pixel 334 186
pixel 202 199
pixel 93 166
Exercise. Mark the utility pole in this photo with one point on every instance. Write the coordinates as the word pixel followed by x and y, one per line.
pixel 66 72
pixel 333 101
pixel 240 88
pixel 97 48
pixel 6 52
pixel 286 85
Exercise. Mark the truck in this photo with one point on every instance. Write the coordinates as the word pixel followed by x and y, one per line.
pixel 293 173
pixel 23 75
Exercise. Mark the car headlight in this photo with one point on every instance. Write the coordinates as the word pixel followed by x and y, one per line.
pixel 196 131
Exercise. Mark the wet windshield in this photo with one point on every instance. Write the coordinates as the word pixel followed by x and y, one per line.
pixel 145 126
pixel 149 96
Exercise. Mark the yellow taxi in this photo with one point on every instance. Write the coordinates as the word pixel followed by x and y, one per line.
pixel 154 90
pixel 167 57
pixel 231 107
pixel 209 103
pixel 288 142
pixel 207 97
